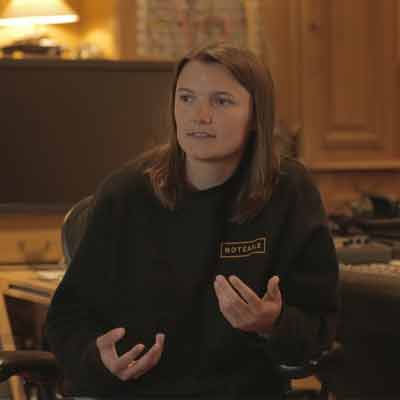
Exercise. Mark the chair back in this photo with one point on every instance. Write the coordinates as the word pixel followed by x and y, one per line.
pixel 74 227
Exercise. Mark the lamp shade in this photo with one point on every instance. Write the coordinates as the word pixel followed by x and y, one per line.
pixel 25 12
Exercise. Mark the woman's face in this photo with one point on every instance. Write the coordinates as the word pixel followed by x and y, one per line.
pixel 212 113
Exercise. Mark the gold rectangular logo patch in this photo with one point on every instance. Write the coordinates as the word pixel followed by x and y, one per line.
pixel 243 249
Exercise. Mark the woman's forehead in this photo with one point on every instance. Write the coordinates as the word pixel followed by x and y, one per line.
pixel 199 75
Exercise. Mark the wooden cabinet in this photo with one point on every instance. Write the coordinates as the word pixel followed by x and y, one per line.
pixel 349 82
pixel 336 66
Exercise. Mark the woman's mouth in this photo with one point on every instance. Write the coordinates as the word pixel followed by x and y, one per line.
pixel 200 134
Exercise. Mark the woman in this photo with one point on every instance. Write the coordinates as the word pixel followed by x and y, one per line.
pixel 205 262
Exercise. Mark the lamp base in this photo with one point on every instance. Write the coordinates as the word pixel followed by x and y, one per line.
pixel 38 46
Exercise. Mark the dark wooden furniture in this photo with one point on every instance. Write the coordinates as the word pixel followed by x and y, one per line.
pixel 66 124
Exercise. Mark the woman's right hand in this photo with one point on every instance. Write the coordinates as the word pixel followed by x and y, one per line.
pixel 129 365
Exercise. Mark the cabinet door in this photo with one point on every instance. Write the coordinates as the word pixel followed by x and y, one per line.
pixel 349 78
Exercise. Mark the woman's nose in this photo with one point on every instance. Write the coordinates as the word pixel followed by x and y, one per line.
pixel 204 113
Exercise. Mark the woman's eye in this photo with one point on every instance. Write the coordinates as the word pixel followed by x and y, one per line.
pixel 223 101
pixel 186 98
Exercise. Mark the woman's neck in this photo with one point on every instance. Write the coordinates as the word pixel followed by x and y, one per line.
pixel 205 175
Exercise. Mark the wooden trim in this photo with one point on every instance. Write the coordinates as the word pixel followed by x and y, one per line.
pixel 89 64
pixel 398 32
pixel 23 209
pixel 348 138
pixel 390 165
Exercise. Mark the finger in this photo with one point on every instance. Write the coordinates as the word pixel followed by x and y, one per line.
pixel 273 291
pixel 234 309
pixel 247 293
pixel 129 358
pixel 224 289
pixel 273 287
pixel 109 339
pixel 148 360
pixel 160 339
pixel 106 347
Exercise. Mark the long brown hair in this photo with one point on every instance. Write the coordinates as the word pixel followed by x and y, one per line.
pixel 165 165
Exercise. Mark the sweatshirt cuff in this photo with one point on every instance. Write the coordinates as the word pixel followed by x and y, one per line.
pixel 288 342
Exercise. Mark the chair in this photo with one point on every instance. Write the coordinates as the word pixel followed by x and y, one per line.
pixel 370 331
pixel 74 227
pixel 41 373
pixel 38 369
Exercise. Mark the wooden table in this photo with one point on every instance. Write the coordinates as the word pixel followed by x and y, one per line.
pixel 24 283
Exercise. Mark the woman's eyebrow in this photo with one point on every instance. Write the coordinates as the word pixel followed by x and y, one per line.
pixel 223 93
pixel 218 92
pixel 182 89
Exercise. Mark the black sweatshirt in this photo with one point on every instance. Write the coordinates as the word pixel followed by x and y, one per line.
pixel 150 269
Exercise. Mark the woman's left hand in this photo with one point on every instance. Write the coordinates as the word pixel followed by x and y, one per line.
pixel 244 309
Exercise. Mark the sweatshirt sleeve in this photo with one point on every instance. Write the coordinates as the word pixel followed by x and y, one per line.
pixel 308 270
pixel 74 319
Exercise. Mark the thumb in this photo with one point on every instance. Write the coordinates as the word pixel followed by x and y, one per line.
pixel 110 338
pixel 273 291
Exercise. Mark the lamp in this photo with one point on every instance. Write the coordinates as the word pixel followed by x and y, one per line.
pixel 20 13
pixel 44 12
